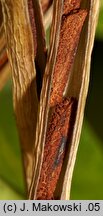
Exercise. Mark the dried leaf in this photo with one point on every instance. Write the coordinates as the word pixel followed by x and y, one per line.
pixel 21 56
pixel 43 111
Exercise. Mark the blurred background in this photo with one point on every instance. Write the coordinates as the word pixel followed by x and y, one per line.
pixel 88 172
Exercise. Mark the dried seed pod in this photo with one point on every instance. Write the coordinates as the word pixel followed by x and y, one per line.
pixel 21 55
pixel 77 86
pixel 69 36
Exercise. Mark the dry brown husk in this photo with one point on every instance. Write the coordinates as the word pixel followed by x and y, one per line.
pixel 77 87
pixel 21 57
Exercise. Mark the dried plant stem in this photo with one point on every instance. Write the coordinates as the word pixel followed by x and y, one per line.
pixel 21 56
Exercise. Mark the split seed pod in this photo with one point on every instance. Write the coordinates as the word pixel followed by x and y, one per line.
pixel 64 85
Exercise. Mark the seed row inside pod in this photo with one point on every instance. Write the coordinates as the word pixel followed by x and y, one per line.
pixel 63 109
